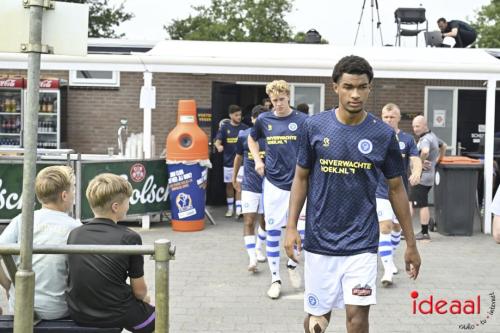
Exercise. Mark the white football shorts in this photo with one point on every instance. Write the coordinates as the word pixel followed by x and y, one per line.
pixel 334 281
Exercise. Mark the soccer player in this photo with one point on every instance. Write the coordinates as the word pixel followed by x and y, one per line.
pixel 281 129
pixel 390 230
pixel 340 157
pixel 251 194
pixel 225 142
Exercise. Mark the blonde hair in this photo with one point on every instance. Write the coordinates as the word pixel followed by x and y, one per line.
pixel 106 189
pixel 52 181
pixel 278 87
pixel 391 107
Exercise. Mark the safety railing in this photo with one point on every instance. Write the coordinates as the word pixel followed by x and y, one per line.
pixel 162 252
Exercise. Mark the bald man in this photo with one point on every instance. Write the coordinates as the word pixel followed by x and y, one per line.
pixel 431 151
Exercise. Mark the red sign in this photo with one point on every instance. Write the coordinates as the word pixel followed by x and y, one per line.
pixel 11 83
pixel 46 83
pixel 49 83
pixel 137 172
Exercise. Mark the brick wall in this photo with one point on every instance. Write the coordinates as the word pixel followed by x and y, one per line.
pixel 94 113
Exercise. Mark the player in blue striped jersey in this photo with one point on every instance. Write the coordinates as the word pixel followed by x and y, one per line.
pixel 340 157
pixel 251 194
pixel 390 230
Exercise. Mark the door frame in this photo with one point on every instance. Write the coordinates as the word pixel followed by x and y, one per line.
pixel 455 108
pixel 292 89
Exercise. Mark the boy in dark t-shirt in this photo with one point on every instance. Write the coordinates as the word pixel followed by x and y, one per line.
pixel 98 294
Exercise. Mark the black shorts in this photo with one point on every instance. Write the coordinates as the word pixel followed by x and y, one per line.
pixel 419 196
pixel 141 319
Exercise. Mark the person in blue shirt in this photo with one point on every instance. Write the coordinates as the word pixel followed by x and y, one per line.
pixel 341 154
pixel 225 142
pixel 390 230
pixel 281 129
pixel 251 194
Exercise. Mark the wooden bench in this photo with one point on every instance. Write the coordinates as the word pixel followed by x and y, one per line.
pixel 54 326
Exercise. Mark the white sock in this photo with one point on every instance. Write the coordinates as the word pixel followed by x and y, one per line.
pixel 385 251
pixel 395 239
pixel 238 205
pixel 261 238
pixel 230 202
pixel 273 253
pixel 250 246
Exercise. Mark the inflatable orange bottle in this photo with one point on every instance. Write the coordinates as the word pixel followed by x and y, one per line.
pixel 187 145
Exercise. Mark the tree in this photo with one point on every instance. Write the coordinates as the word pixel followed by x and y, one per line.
pixel 103 18
pixel 487 25
pixel 236 20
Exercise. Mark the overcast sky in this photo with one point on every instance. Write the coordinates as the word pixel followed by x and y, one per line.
pixel 336 20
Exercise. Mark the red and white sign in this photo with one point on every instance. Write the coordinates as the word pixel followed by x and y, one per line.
pixel 439 118
pixel 49 84
pixel 46 83
pixel 11 83
pixel 137 172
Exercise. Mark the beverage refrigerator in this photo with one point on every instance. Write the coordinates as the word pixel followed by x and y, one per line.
pixel 11 99
pixel 52 102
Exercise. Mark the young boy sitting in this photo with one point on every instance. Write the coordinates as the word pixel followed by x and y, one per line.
pixel 98 293
pixel 55 189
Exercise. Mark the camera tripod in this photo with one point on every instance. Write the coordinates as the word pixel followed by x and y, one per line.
pixel 378 22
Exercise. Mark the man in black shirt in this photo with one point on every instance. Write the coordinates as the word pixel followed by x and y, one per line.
pixel 463 33
pixel 98 294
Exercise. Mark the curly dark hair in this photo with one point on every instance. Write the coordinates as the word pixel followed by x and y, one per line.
pixel 352 65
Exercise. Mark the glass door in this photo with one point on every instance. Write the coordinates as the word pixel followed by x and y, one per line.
pixel 48 119
pixel 10 118
pixel 440 113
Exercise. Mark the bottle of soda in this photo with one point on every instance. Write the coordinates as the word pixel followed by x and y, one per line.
pixel 6 104
pixel 13 105
pixel 50 105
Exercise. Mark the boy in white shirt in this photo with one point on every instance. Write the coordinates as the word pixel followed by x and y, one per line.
pixel 55 189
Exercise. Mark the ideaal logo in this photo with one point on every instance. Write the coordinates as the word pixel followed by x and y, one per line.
pixel 440 306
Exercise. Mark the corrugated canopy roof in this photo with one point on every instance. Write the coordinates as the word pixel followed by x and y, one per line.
pixel 319 59
pixel 279 59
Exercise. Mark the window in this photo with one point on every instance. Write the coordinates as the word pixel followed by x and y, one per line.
pixel 440 111
pixel 94 78
pixel 309 93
